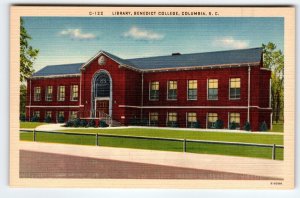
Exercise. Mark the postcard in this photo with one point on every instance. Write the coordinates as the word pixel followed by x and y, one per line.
pixel 152 97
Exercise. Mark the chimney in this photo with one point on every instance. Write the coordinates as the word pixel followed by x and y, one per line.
pixel 176 54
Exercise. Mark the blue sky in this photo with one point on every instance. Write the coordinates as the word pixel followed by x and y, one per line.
pixel 76 39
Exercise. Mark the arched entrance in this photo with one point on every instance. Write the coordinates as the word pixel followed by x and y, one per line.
pixel 101 94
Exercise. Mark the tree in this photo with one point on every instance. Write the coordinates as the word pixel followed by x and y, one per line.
pixel 23 90
pixel 27 54
pixel 274 60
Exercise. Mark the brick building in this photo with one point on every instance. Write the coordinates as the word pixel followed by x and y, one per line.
pixel 179 89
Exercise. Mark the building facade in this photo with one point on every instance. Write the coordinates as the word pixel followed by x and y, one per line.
pixel 180 90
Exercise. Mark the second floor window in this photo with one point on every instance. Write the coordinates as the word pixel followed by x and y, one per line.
pixel 235 88
pixel 212 89
pixel 49 91
pixel 37 93
pixel 172 90
pixel 61 93
pixel 192 90
pixel 154 90
pixel 74 92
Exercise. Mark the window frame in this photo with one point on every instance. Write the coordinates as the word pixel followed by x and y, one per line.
pixel 46 114
pixel 34 94
pixel 188 90
pixel 229 93
pixel 71 113
pixel 71 93
pixel 229 119
pixel 150 89
pixel 58 93
pixel 151 116
pixel 39 113
pixel 212 88
pixel 207 119
pixel 172 99
pixel 188 124
pixel 46 93
pixel 168 116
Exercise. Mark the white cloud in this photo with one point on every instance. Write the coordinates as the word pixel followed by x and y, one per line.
pixel 231 42
pixel 77 34
pixel 142 34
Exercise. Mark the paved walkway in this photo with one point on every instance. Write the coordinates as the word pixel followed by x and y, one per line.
pixel 210 164
pixel 56 127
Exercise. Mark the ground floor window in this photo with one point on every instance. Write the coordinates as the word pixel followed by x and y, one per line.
pixel 73 115
pixel 211 120
pixel 48 114
pixel 61 114
pixel 234 120
pixel 153 119
pixel 36 114
pixel 191 119
pixel 172 119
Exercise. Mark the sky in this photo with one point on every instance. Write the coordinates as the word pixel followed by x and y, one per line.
pixel 62 40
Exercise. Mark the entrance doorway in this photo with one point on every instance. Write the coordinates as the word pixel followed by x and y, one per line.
pixel 102 106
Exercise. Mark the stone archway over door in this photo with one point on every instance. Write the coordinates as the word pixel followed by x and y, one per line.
pixel 101 93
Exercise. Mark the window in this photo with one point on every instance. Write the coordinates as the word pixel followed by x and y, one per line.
pixel 74 92
pixel 153 117
pixel 172 117
pixel 48 114
pixel 235 88
pixel 37 93
pixel 49 91
pixel 61 93
pixel 36 114
pixel 211 120
pixel 154 90
pixel 191 119
pixel 73 115
pixel 235 117
pixel 172 90
pixel 61 114
pixel 192 90
pixel 212 89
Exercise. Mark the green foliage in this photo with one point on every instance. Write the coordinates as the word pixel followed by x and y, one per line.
pixel 193 125
pixel 91 123
pixel 69 123
pixel 274 60
pixel 48 119
pixel 232 125
pixel 172 124
pixel 23 91
pixel 61 119
pixel 76 122
pixel 83 123
pixel 35 119
pixel 247 126
pixel 219 124
pixel 102 123
pixel 263 126
pixel 27 54
pixel 22 117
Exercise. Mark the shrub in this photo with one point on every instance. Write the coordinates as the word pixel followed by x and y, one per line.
pixel 48 119
pixel 134 121
pixel 102 123
pixel 22 117
pixel 144 122
pixel 247 126
pixel 232 125
pixel 172 124
pixel 69 123
pixel 263 126
pixel 153 123
pixel 91 123
pixel 34 119
pixel 193 125
pixel 219 124
pixel 83 123
pixel 61 119
pixel 76 122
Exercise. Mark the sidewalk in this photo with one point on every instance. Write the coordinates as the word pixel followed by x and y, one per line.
pixel 241 165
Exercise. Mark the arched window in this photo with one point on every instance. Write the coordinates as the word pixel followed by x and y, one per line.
pixel 102 85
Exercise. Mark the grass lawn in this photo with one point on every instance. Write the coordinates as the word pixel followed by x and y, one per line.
pixel 277 128
pixel 248 151
pixel 30 125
